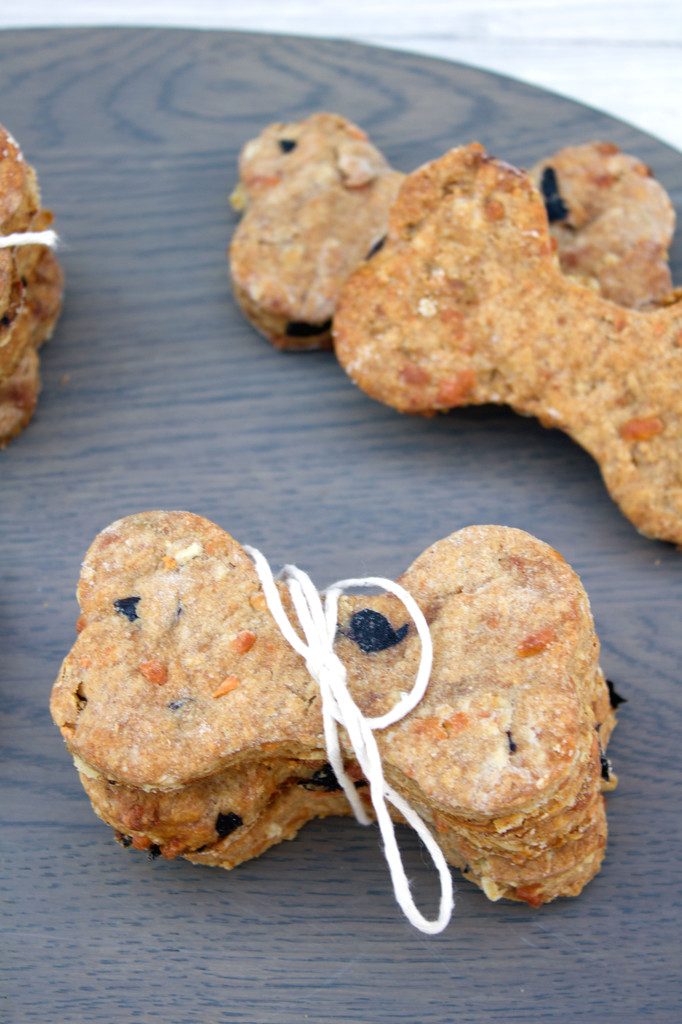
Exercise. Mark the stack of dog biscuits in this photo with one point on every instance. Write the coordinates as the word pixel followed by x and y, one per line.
pixel 315 196
pixel 30 290
pixel 197 730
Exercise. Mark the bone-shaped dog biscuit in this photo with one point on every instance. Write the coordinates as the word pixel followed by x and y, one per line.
pixel 197 730
pixel 466 304
pixel 316 195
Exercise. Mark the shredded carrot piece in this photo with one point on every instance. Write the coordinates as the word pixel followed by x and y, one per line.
pixel 536 642
pixel 641 429
pixel 243 641
pixel 227 686
pixel 154 671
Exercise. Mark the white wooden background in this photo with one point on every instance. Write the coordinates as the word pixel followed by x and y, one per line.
pixel 622 57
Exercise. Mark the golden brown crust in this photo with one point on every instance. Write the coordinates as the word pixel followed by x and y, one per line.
pixel 612 221
pixel 466 304
pixel 316 195
pixel 180 684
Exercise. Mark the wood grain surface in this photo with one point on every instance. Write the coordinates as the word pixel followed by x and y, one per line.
pixel 625 58
pixel 158 395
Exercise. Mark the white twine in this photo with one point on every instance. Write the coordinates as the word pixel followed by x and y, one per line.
pixel 48 237
pixel 319 625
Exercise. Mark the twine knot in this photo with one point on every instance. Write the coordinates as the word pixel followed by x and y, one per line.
pixel 318 622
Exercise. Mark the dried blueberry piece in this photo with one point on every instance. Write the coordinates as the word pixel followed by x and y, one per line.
pixel 372 631
pixel 286 145
pixel 127 606
pixel 615 698
pixel 5 320
pixel 124 840
pixel 300 329
pixel 606 766
pixel 376 247
pixel 512 746
pixel 554 204
pixel 175 705
pixel 226 823
pixel 323 778
pixel 154 852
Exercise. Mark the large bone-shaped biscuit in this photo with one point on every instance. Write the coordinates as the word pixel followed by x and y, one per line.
pixel 466 304
pixel 180 682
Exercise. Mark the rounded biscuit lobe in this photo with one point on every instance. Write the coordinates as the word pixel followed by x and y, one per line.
pixel 509 705
pixel 612 221
pixel 316 195
pixel 196 590
pixel 466 304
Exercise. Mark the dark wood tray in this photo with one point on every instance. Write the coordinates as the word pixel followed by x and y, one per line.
pixel 157 394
